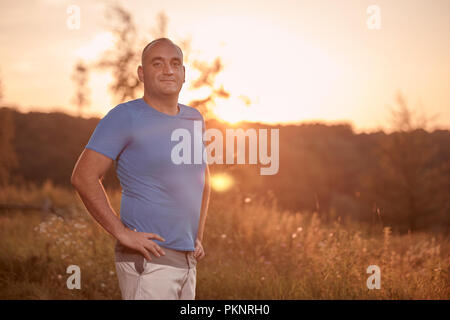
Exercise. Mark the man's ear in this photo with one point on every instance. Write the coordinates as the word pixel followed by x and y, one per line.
pixel 140 72
pixel 184 74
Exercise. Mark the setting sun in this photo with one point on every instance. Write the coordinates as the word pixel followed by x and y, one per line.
pixel 221 182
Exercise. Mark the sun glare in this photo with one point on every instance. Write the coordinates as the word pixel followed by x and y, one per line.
pixel 221 182
pixel 230 110
pixel 286 80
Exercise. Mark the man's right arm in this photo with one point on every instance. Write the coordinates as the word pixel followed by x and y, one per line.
pixel 86 178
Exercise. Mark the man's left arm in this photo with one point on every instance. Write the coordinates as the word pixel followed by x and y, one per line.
pixel 199 252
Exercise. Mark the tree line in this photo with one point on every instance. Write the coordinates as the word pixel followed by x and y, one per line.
pixel 399 179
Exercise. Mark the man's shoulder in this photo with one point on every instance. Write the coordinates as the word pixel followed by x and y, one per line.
pixel 125 109
pixel 192 112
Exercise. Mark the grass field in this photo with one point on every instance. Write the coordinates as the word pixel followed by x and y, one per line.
pixel 253 251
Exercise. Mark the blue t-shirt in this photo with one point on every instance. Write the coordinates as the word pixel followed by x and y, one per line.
pixel 158 195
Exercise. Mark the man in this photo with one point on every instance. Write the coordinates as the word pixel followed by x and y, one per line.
pixel 164 205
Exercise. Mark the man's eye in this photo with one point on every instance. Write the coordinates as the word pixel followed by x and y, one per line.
pixel 157 64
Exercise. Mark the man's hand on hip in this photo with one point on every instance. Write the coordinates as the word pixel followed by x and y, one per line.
pixel 140 241
pixel 199 252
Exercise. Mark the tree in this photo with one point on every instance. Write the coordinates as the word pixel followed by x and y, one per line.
pixel 208 73
pixel 404 186
pixel 122 60
pixel 80 77
pixel 8 158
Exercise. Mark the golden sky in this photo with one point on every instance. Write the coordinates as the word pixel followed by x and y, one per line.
pixel 295 60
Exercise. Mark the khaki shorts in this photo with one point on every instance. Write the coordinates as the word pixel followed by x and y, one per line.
pixel 169 277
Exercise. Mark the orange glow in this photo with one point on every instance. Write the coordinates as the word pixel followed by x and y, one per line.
pixel 221 182
pixel 299 62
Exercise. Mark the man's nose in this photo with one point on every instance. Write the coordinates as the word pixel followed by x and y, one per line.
pixel 167 68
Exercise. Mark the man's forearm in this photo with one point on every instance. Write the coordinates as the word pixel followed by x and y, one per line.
pixel 94 197
pixel 205 203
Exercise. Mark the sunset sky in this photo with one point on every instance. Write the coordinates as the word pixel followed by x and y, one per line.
pixel 295 60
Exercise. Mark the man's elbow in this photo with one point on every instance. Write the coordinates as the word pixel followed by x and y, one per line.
pixel 78 179
pixel 75 180
pixel 81 180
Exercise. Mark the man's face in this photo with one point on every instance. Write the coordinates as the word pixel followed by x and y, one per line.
pixel 162 69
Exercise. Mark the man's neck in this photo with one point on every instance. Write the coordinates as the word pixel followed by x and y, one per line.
pixel 168 105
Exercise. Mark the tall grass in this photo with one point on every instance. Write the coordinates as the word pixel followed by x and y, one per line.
pixel 253 251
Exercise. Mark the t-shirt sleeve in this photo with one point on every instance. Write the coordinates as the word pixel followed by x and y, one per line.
pixel 112 133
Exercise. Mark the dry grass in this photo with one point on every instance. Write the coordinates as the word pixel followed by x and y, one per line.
pixel 254 251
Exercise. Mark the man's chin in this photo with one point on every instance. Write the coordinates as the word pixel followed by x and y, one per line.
pixel 170 92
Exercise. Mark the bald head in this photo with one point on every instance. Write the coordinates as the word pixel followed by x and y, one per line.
pixel 149 46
